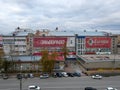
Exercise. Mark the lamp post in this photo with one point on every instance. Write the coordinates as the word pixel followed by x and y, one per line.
pixel 21 77
pixel 114 61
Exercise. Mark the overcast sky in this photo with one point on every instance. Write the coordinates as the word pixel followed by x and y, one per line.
pixel 65 14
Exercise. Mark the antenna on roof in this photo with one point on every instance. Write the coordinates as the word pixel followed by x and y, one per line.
pixel 84 30
pixel 96 30
pixel 18 27
pixel 56 29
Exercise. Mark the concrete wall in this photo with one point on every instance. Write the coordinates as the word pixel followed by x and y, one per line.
pixel 107 64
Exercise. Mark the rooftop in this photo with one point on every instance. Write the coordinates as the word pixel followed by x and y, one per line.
pixel 24 32
pixel 99 58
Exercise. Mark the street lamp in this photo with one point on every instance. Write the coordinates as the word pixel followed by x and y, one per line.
pixel 21 77
pixel 114 61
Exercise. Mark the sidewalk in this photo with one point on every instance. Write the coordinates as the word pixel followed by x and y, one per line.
pixel 69 68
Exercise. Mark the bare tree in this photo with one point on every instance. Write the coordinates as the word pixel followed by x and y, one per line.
pixel 47 61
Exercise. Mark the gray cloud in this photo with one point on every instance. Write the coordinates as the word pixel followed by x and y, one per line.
pixel 66 14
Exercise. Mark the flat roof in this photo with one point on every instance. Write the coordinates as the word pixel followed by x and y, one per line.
pixel 24 32
pixel 99 58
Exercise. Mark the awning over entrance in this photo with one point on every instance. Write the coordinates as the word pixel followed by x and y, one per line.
pixel 58 58
pixel 59 53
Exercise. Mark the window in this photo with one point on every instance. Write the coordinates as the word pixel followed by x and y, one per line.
pixel 71 41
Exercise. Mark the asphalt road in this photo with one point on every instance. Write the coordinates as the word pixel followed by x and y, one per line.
pixel 69 83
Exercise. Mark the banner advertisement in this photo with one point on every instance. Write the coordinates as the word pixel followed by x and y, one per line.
pixel 98 42
pixel 49 42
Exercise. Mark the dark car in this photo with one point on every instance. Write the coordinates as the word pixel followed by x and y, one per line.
pixel 19 76
pixel 77 74
pixel 90 88
pixel 59 74
pixel 70 74
pixel 1 75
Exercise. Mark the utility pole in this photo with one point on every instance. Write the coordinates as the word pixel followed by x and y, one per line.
pixel 21 83
pixel 114 61
pixel 21 77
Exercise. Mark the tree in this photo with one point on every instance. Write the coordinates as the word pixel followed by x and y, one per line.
pixel 6 65
pixel 52 59
pixel 1 64
pixel 1 58
pixel 44 60
pixel 48 61
pixel 65 50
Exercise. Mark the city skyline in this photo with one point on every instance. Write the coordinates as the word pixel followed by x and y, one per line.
pixel 64 14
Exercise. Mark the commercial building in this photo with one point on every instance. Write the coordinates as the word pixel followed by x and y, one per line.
pixel 23 46
pixel 28 43
pixel 94 43
pixel 100 63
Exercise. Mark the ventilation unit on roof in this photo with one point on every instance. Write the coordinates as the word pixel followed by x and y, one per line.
pixel 18 27
pixel 84 30
pixel 56 28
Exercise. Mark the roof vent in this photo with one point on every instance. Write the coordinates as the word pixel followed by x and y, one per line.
pixel 56 28
pixel 84 30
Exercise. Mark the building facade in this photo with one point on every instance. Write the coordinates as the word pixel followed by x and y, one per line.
pixel 115 45
pixel 14 45
pixel 93 44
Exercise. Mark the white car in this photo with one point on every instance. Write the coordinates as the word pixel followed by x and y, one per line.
pixel 34 87
pixel 96 76
pixel 64 74
pixel 44 76
pixel 110 88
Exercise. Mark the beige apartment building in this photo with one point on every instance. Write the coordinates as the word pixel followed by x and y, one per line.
pixel 115 44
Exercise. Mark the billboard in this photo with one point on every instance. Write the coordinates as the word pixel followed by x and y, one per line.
pixel 98 42
pixel 49 42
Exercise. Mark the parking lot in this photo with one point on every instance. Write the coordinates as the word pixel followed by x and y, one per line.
pixel 63 83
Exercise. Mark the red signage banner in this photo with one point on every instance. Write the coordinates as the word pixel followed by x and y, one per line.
pixel 49 42
pixel 98 42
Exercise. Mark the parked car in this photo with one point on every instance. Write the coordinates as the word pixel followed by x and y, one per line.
pixel 111 88
pixel 96 76
pixel 25 76
pixel 34 87
pixel 77 74
pixel 5 76
pixel 1 75
pixel 64 74
pixel 30 75
pixel 19 76
pixel 70 74
pixel 43 76
pixel 90 88
pixel 54 75
pixel 59 74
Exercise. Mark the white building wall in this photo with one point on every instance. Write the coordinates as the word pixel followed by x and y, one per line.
pixel 15 45
pixel 70 41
